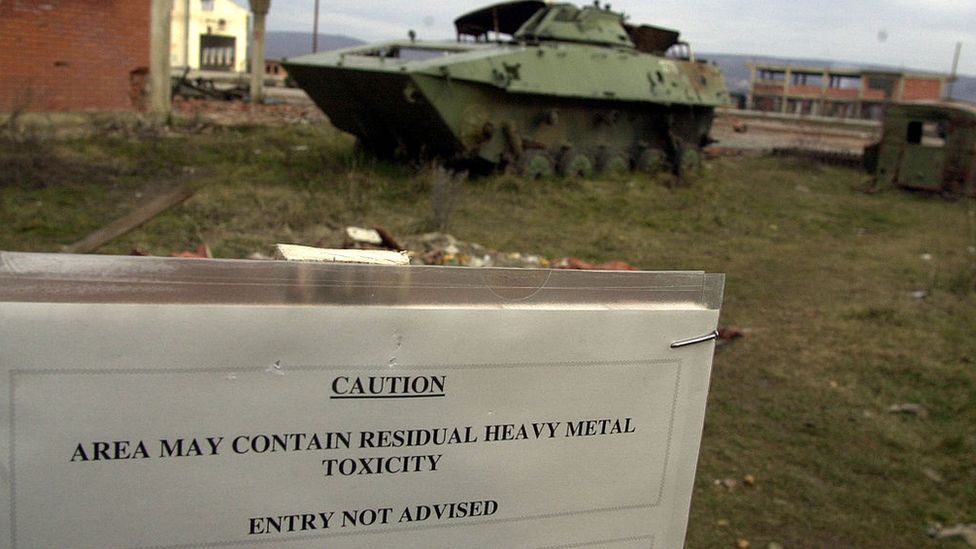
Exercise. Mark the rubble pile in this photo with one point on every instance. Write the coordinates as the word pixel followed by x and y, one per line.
pixel 241 112
pixel 444 249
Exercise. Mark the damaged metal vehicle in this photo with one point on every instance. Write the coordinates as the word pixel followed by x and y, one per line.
pixel 541 87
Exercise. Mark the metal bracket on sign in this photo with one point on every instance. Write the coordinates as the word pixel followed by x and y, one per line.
pixel 695 340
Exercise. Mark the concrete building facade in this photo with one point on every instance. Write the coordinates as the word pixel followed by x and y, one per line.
pixel 209 35
pixel 74 55
pixel 840 93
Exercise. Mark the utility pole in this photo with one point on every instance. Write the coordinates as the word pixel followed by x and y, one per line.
pixel 259 8
pixel 160 92
pixel 315 29
pixel 955 67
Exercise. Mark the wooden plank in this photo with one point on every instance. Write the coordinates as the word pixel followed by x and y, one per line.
pixel 132 220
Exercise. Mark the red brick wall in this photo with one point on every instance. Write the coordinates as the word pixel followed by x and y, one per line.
pixel 921 88
pixel 72 55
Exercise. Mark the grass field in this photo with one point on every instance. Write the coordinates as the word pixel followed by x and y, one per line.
pixel 854 302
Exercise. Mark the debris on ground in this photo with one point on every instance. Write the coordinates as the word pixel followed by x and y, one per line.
pixel 576 263
pixel 749 480
pixel 444 249
pixel 908 408
pixel 933 475
pixel 966 532
pixel 227 113
pixel 743 544
pixel 728 333
pixel 201 252
pixel 436 248
pixel 360 238
pixel 200 87
pixel 729 484
pixel 141 214
pixel 387 240
pixel 293 252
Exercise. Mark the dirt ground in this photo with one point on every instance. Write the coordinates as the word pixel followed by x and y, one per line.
pixel 765 134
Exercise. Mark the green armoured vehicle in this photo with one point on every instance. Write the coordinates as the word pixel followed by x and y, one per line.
pixel 543 87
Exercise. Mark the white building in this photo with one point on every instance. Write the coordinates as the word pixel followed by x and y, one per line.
pixel 209 35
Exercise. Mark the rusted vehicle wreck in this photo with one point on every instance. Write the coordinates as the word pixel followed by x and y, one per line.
pixel 927 146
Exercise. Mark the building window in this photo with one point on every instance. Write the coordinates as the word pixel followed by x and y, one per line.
pixel 207 5
pixel 217 52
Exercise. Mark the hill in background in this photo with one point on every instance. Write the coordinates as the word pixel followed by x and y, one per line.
pixel 282 44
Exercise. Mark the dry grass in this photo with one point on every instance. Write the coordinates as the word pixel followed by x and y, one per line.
pixel 822 275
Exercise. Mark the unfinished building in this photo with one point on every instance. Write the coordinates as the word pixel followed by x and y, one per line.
pixel 838 93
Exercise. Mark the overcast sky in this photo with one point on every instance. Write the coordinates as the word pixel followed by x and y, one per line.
pixel 917 34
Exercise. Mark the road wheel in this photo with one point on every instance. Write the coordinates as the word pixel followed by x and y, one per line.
pixel 574 163
pixel 689 162
pixel 535 164
pixel 653 161
pixel 615 164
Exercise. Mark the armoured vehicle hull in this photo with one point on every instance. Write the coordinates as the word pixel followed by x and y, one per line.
pixel 567 104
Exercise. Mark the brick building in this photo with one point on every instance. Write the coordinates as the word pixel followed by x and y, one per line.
pixel 74 55
pixel 841 93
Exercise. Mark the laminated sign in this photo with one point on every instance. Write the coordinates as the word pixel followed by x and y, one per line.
pixel 174 403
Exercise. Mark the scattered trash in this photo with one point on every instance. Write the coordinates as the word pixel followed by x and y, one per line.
pixel 444 249
pixel 387 240
pixel 728 333
pixel 965 531
pixel 576 263
pixel 201 252
pixel 292 252
pixel 205 88
pixel 911 409
pixel 749 480
pixel 933 475
pixel 729 483
pixel 723 522
pixel 204 115
pixel 357 237
pixel 743 544
pixel 920 294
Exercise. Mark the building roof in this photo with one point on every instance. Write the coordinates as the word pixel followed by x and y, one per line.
pixel 843 71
